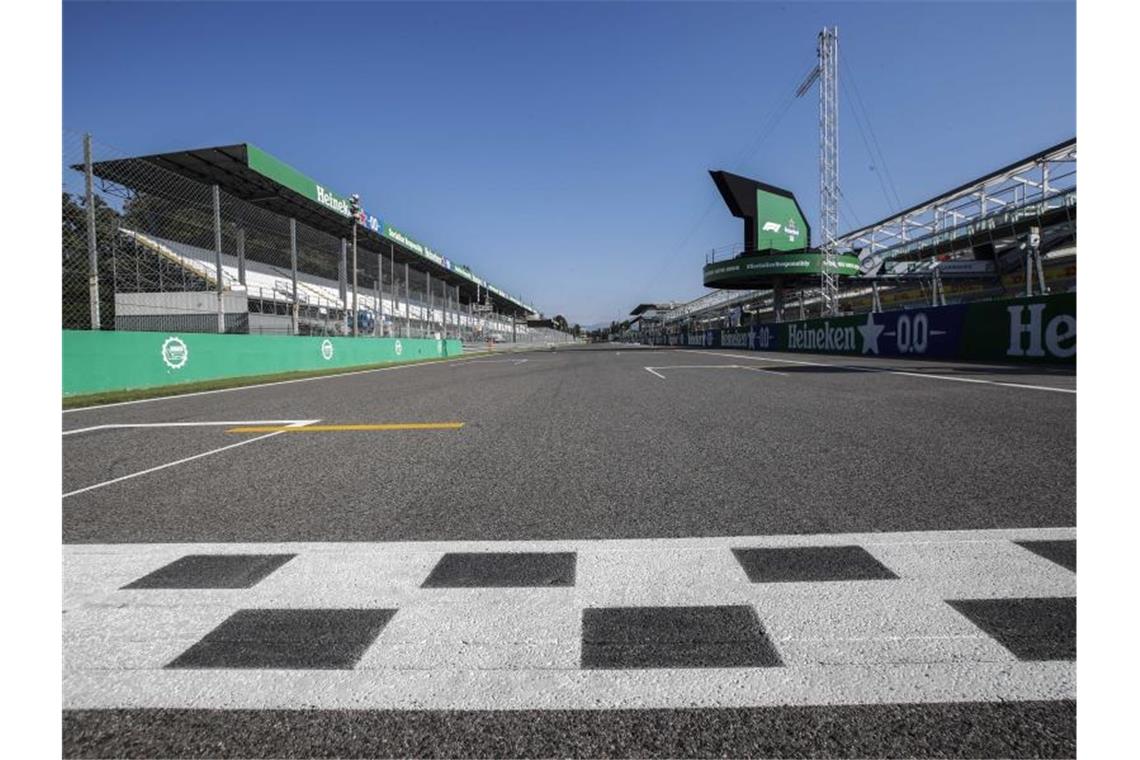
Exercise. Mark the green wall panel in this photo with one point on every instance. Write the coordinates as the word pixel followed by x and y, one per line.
pixel 95 361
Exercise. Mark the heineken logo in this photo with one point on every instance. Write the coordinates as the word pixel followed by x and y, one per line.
pixel 175 353
pixel 824 338
pixel 325 198
pixel 790 229
pixel 830 338
pixel 1031 335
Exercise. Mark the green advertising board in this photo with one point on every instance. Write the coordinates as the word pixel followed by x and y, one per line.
pixel 757 270
pixel 780 226
pixel 97 361
pixel 282 173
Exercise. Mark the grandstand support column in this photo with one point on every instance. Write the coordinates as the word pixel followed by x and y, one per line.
pixel 778 299
pixel 800 299
pixel 218 257
pixel 92 248
pixel 241 254
pixel 392 275
pixel 376 323
pixel 431 304
pixel 876 302
pixel 407 305
pixel 355 309
pixel 342 274
pixel 293 268
pixel 1035 248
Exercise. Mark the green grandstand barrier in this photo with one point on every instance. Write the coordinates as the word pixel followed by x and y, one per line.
pixel 97 361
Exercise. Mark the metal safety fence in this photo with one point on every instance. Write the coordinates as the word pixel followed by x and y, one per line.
pixel 145 248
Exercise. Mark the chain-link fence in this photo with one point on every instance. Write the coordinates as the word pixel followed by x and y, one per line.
pixel 145 248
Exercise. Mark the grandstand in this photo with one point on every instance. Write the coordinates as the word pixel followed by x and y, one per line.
pixel 231 238
pixel 971 243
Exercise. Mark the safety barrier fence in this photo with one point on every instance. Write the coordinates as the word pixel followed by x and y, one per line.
pixel 153 250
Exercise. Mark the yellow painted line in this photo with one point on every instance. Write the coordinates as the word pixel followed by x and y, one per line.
pixel 346 428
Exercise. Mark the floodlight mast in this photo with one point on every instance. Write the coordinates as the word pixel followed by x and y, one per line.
pixel 826 71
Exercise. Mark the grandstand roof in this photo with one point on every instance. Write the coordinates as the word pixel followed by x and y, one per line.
pixel 967 185
pixel 644 307
pixel 245 171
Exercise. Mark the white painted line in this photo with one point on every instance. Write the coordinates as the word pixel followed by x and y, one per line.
pixel 175 397
pixel 180 424
pixel 183 461
pixel 476 689
pixel 492 361
pixel 865 368
pixel 654 372
pixel 854 642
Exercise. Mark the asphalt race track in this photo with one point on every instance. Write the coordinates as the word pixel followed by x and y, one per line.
pixel 595 551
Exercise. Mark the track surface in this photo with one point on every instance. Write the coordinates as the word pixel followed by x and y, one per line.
pixel 955 482
pixel 588 444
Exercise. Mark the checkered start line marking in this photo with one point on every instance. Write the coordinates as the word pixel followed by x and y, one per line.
pixel 711 622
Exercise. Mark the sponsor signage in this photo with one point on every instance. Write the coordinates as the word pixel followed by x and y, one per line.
pixel 1038 329
pixel 280 172
pixel 779 224
pixel 775 265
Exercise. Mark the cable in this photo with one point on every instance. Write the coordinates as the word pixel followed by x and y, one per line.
pixel 871 128
pixel 891 206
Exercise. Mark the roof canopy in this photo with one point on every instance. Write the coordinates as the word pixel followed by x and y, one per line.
pixel 249 173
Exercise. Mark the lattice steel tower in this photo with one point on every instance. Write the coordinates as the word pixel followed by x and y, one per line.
pixel 829 165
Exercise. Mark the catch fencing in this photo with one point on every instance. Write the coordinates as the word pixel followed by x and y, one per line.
pixel 153 250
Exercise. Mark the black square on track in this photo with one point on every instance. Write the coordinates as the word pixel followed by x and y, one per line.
pixel 811 563
pixel 675 637
pixel 1063 551
pixel 287 639
pixel 505 569
pixel 1033 629
pixel 202 571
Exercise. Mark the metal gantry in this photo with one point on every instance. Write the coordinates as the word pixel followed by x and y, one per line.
pixel 1027 189
pixel 829 165
pixel 826 72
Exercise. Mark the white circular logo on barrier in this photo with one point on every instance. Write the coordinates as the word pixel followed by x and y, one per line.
pixel 399 348
pixel 327 349
pixel 174 353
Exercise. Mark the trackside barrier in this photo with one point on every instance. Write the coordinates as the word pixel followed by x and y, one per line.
pixel 1042 329
pixel 95 361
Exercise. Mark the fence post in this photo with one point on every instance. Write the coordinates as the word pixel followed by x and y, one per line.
pixel 379 304
pixel 407 307
pixel 293 267
pixel 241 254
pixel 218 257
pixel 92 249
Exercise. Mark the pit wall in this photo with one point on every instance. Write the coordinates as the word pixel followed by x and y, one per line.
pixel 1041 329
pixel 98 361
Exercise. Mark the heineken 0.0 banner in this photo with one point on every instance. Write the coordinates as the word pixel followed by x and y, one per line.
pixel 1040 329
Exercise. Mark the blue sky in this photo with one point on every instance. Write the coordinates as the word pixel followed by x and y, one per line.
pixel 561 150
